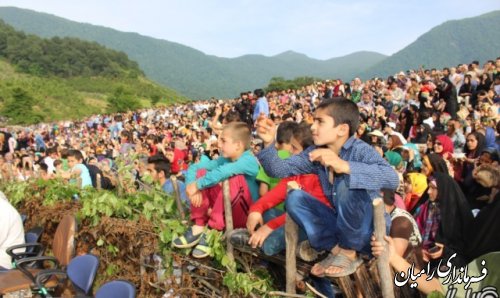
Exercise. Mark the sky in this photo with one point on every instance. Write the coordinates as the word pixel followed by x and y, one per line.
pixel 321 29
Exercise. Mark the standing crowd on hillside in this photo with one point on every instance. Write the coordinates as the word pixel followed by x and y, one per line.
pixel 427 141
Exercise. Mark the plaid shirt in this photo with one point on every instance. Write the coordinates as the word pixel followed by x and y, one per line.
pixel 369 170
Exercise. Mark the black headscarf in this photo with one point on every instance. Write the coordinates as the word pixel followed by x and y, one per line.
pixel 456 218
pixel 486 227
pixel 438 164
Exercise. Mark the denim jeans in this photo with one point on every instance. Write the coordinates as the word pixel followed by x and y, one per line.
pixel 275 242
pixel 350 224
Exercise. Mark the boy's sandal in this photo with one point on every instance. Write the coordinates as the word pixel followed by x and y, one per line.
pixel 306 252
pixel 347 265
pixel 187 240
pixel 202 250
pixel 325 263
pixel 239 238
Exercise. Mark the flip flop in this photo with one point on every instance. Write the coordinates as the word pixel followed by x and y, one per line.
pixel 239 238
pixel 347 265
pixel 202 250
pixel 325 263
pixel 187 240
pixel 306 252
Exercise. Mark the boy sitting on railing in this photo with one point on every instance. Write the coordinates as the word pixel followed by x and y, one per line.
pixel 351 174
pixel 270 237
pixel 207 207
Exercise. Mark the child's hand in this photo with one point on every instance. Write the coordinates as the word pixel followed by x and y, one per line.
pixel 378 247
pixel 265 129
pixel 257 239
pixel 254 218
pixel 328 158
pixel 191 189
pixel 196 199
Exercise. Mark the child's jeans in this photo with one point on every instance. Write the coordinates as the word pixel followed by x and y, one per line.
pixel 213 200
pixel 350 224
pixel 275 242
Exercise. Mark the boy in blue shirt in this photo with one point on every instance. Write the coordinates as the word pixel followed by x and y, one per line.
pixel 78 169
pixel 237 164
pixel 159 168
pixel 351 173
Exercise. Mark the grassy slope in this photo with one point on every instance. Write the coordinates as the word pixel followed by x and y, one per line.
pixel 75 98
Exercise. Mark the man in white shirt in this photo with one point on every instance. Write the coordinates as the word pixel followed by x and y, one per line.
pixel 11 230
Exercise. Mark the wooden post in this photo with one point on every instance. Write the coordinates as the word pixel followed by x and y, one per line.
pixel 228 215
pixel 177 195
pixel 98 182
pixel 119 185
pixel 291 238
pixel 386 281
pixel 79 182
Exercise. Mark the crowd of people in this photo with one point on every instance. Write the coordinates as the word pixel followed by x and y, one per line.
pixel 426 141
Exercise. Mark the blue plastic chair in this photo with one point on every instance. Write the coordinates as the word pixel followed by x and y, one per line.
pixel 82 271
pixel 116 289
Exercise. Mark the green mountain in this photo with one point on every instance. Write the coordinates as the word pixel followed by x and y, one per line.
pixel 67 78
pixel 451 43
pixel 188 70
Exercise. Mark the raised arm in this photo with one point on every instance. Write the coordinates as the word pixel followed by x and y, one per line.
pixel 281 168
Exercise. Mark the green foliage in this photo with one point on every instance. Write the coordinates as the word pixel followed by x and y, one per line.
pixel 451 43
pixel 246 283
pixel 151 204
pixel 63 57
pixel 279 83
pixel 122 101
pixel 20 108
pixel 72 98
pixel 155 98
pixel 188 70
pixel 435 294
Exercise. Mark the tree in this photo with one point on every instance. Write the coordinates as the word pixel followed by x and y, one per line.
pixel 122 101
pixel 155 98
pixel 19 109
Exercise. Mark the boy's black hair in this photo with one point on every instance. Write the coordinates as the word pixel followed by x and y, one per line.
pixel 51 150
pixel 343 111
pixel 285 132
pixel 259 93
pixel 303 135
pixel 77 154
pixel 161 164
pixel 232 116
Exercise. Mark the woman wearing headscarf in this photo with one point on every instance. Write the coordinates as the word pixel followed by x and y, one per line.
pixel 411 157
pixel 444 221
pixel 486 225
pixel 432 163
pixel 415 186
pixel 394 144
pixel 475 144
pixel 443 146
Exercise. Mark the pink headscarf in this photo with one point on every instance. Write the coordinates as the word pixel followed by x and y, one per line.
pixel 447 144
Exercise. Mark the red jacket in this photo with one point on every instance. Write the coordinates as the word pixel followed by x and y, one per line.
pixel 309 183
